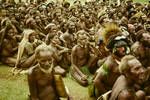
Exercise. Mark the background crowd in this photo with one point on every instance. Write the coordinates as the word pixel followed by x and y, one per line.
pixel 94 42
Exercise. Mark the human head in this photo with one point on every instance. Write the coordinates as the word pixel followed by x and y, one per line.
pixel 66 4
pixel 115 41
pixel 11 33
pixel 31 23
pixel 43 55
pixel 71 27
pixel 147 25
pixel 133 69
pixel 51 27
pixel 129 1
pixel 120 48
pixel 146 39
pixel 118 45
pixel 82 38
pixel 29 35
pixel 55 40
pixel 143 37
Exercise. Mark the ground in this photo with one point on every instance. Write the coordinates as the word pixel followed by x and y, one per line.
pixel 16 87
pixel 143 1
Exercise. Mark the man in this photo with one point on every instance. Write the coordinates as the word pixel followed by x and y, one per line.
pixel 25 56
pixel 51 30
pixel 107 74
pixel 141 48
pixel 132 73
pixel 9 45
pixel 68 37
pixel 81 59
pixel 58 54
pixel 41 79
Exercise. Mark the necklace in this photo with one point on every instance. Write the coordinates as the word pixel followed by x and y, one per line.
pixel 47 71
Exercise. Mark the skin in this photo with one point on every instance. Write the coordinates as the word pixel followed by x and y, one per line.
pixel 58 52
pixel 9 47
pixel 80 56
pixel 83 22
pixel 39 23
pixel 41 84
pixel 68 37
pixel 134 75
pixel 131 30
pixel 77 12
pixel 141 49
pixel 63 53
pixel 41 77
pixel 28 56
pixel 104 82
pixel 102 51
pixel 51 33
pixel 11 42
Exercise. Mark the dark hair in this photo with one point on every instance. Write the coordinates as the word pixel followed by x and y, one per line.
pixel 112 41
pixel 139 34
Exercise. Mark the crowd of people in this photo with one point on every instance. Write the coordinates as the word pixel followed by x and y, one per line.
pixel 103 46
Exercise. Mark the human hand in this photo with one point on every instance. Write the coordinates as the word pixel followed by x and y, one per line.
pixel 84 78
pixel 15 71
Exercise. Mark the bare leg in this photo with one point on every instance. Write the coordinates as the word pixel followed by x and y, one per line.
pixel 10 61
pixel 78 78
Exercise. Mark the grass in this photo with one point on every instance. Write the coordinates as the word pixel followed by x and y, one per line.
pixel 16 87
pixel 142 1
pixel 12 87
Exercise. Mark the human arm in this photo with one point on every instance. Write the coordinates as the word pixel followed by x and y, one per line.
pixel 47 40
pixel 32 87
pixel 74 62
pixel 15 49
pixel 127 95
pixel 62 38
pixel 37 42
pixel 62 49
pixel 98 83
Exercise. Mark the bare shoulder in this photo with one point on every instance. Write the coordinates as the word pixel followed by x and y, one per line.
pixel 109 60
pixel 33 69
pixel 75 48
